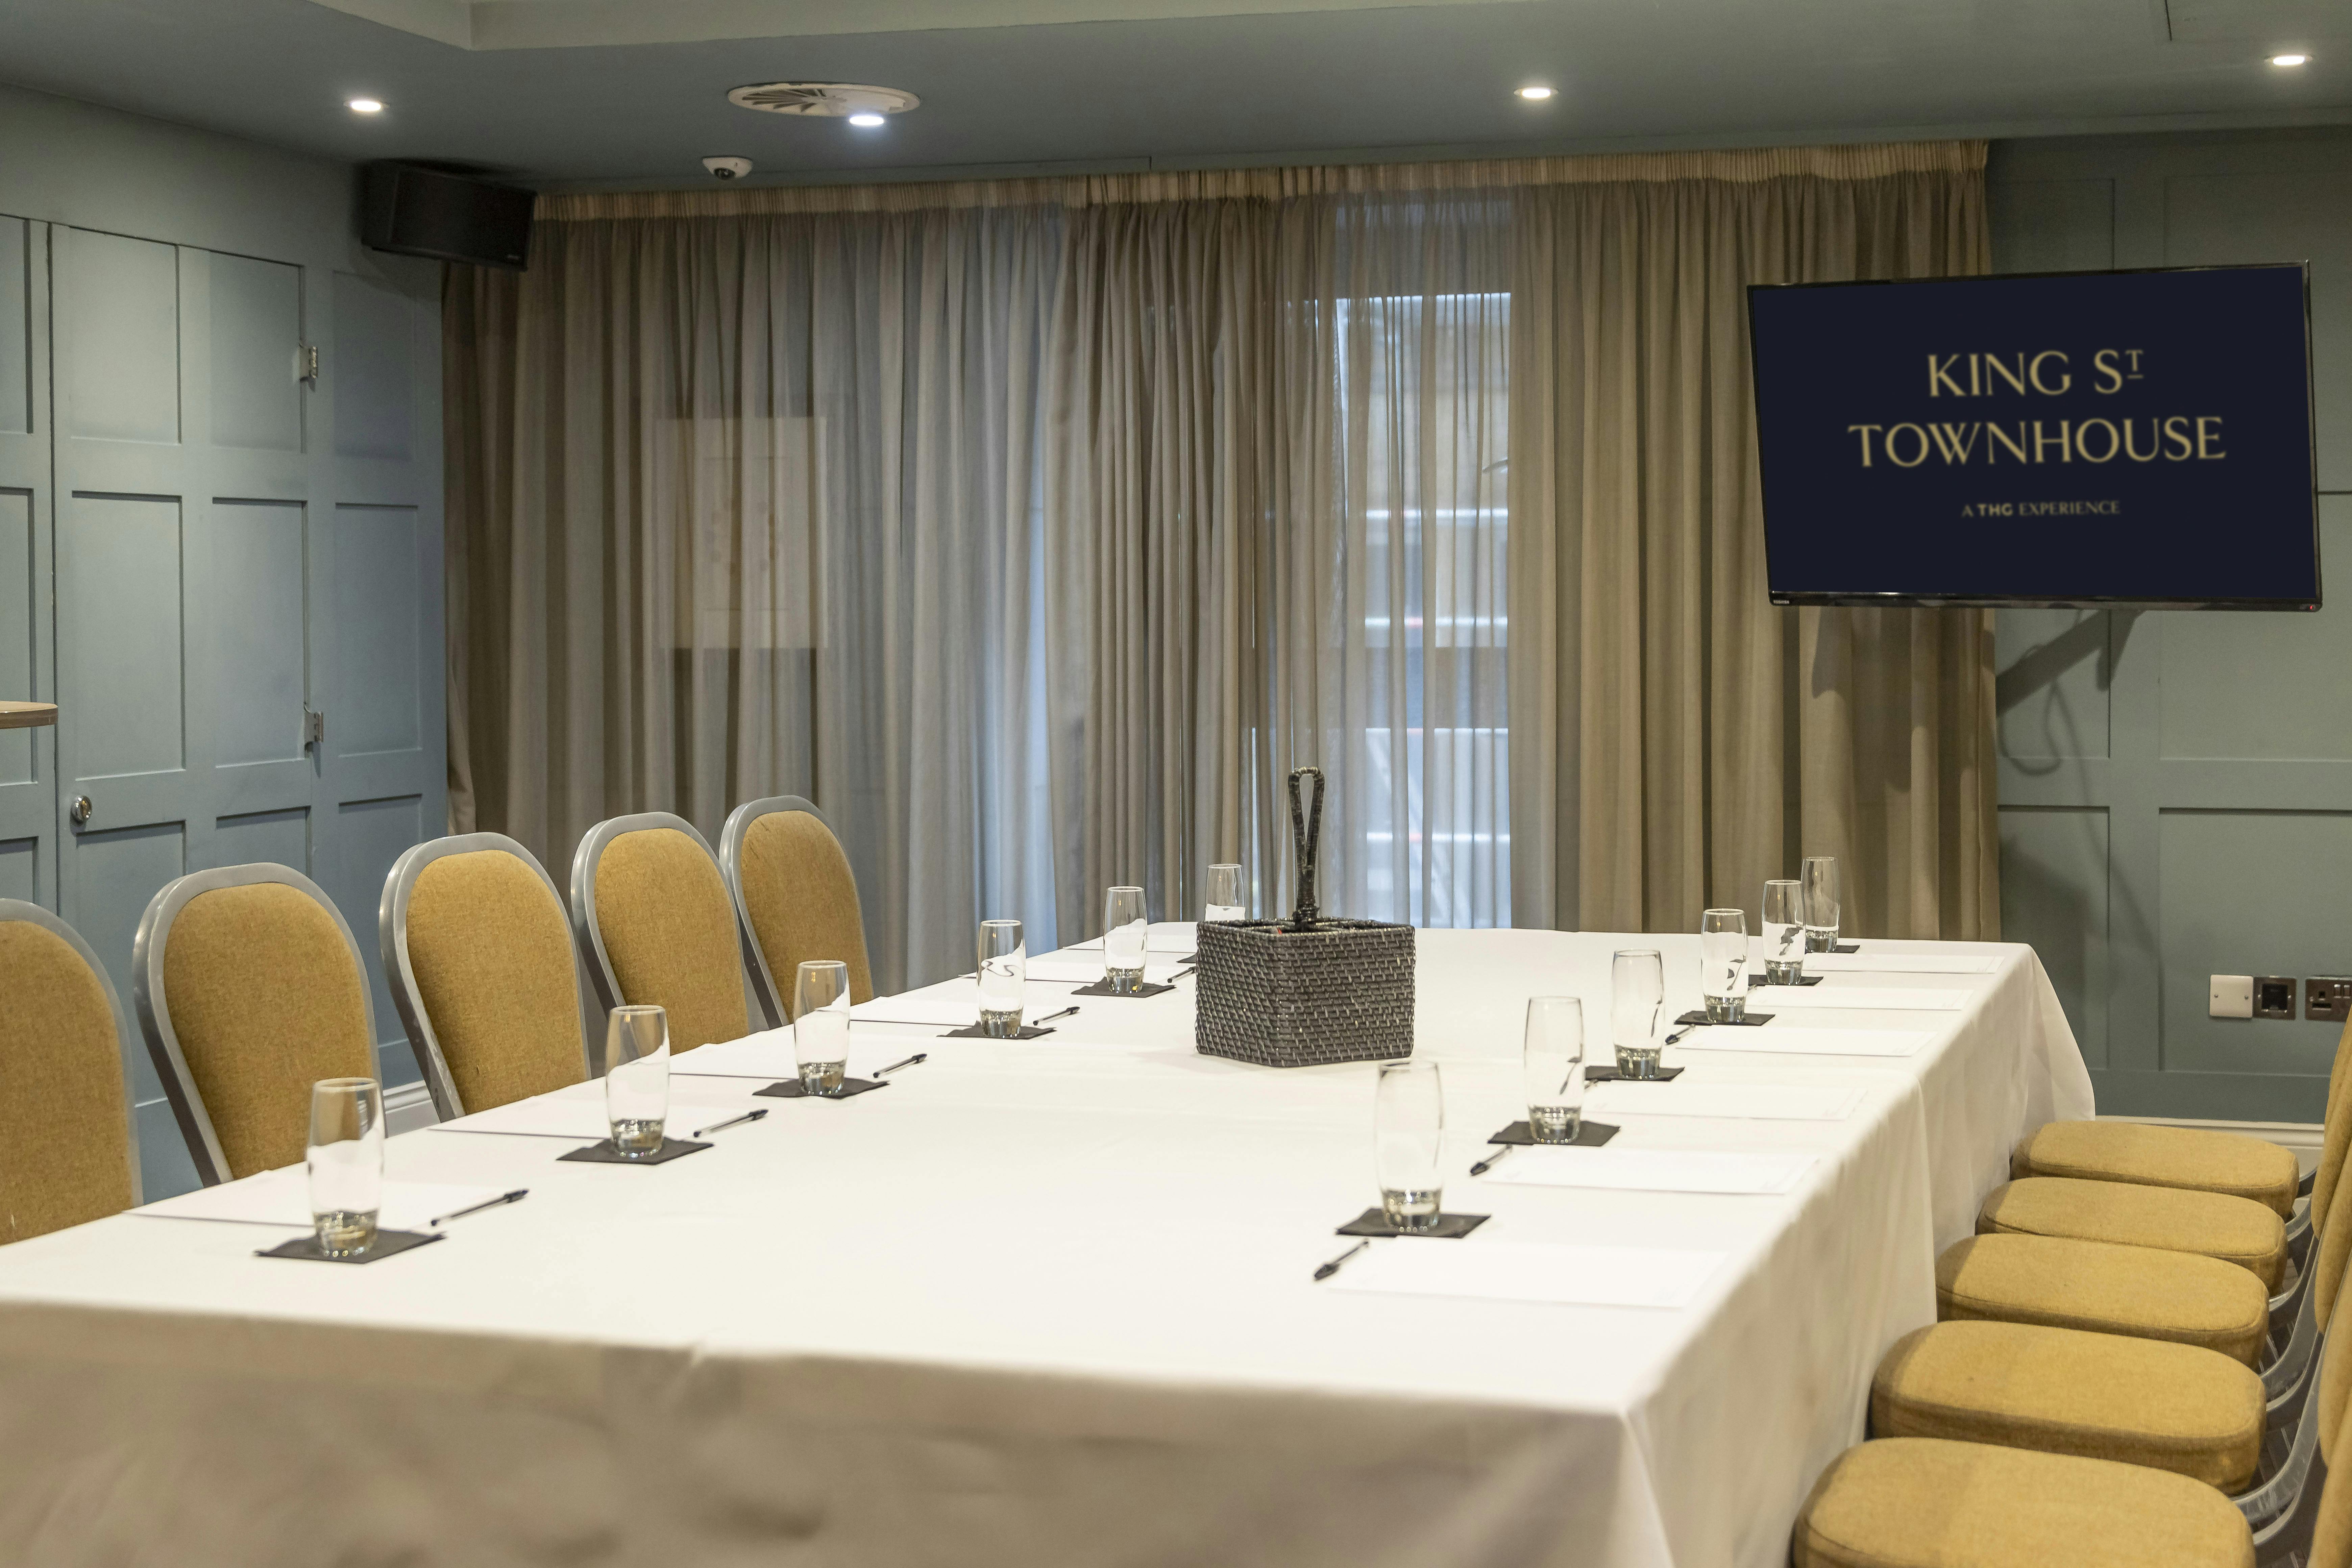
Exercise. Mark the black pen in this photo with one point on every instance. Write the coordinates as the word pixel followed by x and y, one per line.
pixel 515 1196
pixel 1181 973
pixel 910 1061
pixel 1062 1014
pixel 732 1121
pixel 1329 1269
pixel 1678 1034
pixel 1491 1161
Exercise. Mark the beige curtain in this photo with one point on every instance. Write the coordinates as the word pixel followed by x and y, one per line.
pixel 1689 740
pixel 1037 529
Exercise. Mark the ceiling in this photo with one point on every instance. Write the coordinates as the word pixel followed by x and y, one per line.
pixel 632 92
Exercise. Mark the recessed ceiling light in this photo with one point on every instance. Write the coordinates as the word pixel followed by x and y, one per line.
pixel 1535 94
pixel 2290 59
pixel 866 121
pixel 364 106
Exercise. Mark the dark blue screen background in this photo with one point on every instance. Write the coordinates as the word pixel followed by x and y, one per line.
pixel 2226 343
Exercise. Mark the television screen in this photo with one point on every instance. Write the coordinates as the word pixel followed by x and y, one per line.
pixel 2071 438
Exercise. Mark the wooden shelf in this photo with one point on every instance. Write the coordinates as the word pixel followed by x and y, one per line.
pixel 26 715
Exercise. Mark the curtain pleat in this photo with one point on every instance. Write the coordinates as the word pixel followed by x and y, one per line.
pixel 1037 530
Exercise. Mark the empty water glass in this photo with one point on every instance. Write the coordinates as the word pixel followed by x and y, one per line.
pixel 1820 876
pixel 1124 931
pixel 821 1024
pixel 1784 933
pixel 636 1078
pixel 1554 1058
pixel 1408 1136
pixel 346 1163
pixel 1723 965
pixel 1225 899
pixel 1003 978
pixel 1637 994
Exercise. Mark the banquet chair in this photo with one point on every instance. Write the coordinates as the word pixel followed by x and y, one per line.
pixel 66 1119
pixel 1928 1502
pixel 250 989
pixel 795 896
pixel 655 925
pixel 2184 1157
pixel 479 953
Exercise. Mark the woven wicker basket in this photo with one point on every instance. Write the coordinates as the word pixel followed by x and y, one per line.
pixel 1305 991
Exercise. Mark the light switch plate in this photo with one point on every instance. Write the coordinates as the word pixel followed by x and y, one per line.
pixel 2233 996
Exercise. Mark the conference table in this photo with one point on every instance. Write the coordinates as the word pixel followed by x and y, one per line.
pixel 1053 1301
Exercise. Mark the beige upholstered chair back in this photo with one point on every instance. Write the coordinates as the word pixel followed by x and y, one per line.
pixel 2337 1135
pixel 250 990
pixel 72 1147
pixel 483 970
pixel 655 925
pixel 796 896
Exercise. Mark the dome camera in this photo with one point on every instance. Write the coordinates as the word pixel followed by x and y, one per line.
pixel 728 168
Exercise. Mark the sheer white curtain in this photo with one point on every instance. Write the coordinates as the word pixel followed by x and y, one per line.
pixel 748 506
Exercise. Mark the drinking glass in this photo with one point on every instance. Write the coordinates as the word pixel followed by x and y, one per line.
pixel 1408 1135
pixel 1124 933
pixel 1003 978
pixel 1820 877
pixel 637 1077
pixel 1225 900
pixel 1555 1067
pixel 821 1024
pixel 346 1163
pixel 1723 965
pixel 1784 932
pixel 1637 994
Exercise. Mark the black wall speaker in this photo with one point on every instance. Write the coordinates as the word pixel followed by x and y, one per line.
pixel 424 212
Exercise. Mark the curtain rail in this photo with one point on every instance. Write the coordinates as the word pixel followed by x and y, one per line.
pixel 1746 166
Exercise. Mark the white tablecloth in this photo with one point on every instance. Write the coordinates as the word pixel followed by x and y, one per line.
pixel 1046 1303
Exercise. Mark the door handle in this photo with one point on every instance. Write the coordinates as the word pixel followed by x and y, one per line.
pixel 79 810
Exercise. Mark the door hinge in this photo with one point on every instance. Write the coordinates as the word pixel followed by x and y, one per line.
pixel 306 364
pixel 314 727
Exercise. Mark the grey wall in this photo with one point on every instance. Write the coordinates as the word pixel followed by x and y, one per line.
pixel 2176 787
pixel 197 545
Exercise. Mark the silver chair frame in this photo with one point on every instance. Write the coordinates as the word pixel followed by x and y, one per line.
pixel 591 938
pixel 765 989
pixel 156 1013
pixel 126 1040
pixel 391 929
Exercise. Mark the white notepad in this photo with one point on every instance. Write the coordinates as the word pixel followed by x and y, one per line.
pixel 767 1054
pixel 283 1197
pixel 1778 998
pixel 1504 1271
pixel 1764 1172
pixel 1163 936
pixel 955 1005
pixel 584 1119
pixel 1086 971
pixel 1899 964
pixel 1741 1101
pixel 1778 1039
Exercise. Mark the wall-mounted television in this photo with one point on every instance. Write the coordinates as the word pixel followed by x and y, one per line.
pixel 2077 438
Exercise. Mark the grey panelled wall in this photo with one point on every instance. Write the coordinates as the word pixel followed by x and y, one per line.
pixel 228 545
pixel 2176 787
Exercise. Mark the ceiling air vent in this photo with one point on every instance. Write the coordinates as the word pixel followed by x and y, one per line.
pixel 830 99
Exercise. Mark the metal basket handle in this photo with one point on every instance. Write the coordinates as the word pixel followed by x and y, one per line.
pixel 1306 841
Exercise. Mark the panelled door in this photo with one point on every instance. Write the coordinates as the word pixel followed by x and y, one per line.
pixel 27 757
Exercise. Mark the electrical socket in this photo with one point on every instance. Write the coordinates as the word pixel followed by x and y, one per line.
pixel 2274 996
pixel 2327 999
pixel 2231 996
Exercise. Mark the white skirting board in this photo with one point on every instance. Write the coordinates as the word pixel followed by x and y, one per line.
pixel 2302 1137
pixel 409 1106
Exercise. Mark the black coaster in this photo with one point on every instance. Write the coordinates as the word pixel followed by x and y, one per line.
pixel 1449 1226
pixel 974 1032
pixel 791 1088
pixel 604 1153
pixel 1756 980
pixel 1611 1075
pixel 1752 1019
pixel 1591 1135
pixel 388 1244
pixel 1847 947
pixel 1102 988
